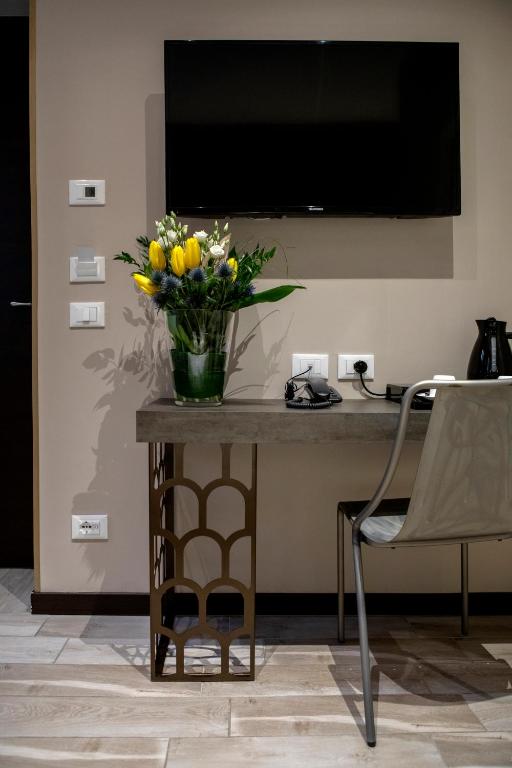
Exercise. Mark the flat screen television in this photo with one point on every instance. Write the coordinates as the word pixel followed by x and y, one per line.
pixel 311 128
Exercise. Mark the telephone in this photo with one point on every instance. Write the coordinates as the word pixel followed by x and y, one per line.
pixel 320 394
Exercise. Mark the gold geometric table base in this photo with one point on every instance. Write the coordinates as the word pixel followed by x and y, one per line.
pixel 170 635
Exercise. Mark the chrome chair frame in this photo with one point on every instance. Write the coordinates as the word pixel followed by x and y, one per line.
pixel 369 509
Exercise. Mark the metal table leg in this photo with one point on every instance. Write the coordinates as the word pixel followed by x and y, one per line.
pixel 166 554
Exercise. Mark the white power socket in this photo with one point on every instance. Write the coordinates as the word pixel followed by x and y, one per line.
pixel 346 367
pixel 319 365
pixel 88 527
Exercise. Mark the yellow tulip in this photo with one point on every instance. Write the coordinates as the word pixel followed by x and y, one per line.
pixel 192 253
pixel 178 260
pixel 233 263
pixel 145 284
pixel 156 255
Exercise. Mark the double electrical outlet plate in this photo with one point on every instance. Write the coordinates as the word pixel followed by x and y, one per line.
pixel 320 366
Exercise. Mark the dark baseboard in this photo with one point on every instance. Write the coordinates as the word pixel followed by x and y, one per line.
pixel 91 603
pixel 137 604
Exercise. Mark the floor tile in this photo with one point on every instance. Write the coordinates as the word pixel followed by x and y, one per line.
pixel 10 603
pixel 82 680
pixel 342 751
pixel 480 627
pixel 426 649
pixel 38 650
pixel 323 629
pixel 103 651
pixel 499 651
pixel 387 679
pixel 494 712
pixel 490 751
pixel 126 627
pixel 493 677
pixel 20 624
pixel 291 716
pixel 316 715
pixel 278 681
pixel 322 679
pixel 440 700
pixel 115 717
pixel 82 753
pixel 383 651
pixel 16 585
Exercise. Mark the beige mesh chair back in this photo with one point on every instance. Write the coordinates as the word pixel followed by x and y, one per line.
pixel 463 488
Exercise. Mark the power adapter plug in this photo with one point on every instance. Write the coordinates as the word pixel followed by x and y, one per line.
pixel 360 367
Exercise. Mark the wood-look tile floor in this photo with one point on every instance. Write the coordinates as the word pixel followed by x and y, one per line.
pixel 75 692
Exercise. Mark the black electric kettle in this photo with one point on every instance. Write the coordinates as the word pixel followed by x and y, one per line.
pixel 491 356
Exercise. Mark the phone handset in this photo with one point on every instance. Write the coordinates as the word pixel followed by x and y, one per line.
pixel 320 394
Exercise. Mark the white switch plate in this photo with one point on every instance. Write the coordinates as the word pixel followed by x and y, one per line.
pixel 87 191
pixel 88 527
pixel 319 363
pixel 87 314
pixel 99 277
pixel 346 367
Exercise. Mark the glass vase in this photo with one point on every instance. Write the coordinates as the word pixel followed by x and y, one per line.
pixel 200 344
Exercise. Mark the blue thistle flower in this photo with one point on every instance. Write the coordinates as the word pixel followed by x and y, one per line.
pixel 170 283
pixel 159 300
pixel 250 290
pixel 197 275
pixel 157 277
pixel 224 270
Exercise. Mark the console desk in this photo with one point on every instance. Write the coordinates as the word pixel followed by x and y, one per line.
pixel 167 428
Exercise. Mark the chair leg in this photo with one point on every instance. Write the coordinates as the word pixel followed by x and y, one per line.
pixel 341 577
pixel 363 642
pixel 464 584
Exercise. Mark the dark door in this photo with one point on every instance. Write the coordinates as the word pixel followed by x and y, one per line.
pixel 16 538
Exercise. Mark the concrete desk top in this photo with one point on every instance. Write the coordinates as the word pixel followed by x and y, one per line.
pixel 270 421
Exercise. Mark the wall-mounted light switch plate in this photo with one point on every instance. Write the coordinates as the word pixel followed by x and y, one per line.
pixel 319 365
pixel 87 271
pixel 87 314
pixel 346 367
pixel 87 191
pixel 89 527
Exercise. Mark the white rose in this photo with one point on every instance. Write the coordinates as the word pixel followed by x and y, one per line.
pixel 171 235
pixel 161 242
pixel 201 236
pixel 217 251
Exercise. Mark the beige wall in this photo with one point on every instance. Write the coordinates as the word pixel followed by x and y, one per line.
pixel 407 291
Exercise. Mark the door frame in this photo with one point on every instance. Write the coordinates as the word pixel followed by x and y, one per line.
pixel 33 221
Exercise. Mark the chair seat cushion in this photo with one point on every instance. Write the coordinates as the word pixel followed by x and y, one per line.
pixel 383 529
pixel 384 525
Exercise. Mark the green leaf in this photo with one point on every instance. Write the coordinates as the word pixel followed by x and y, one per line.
pixel 123 256
pixel 273 294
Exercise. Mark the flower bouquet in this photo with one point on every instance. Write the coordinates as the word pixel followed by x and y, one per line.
pixel 199 282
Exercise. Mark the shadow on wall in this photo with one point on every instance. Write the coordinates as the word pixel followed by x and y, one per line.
pixel 138 376
pixel 315 248
pixel 131 377
pixel 267 363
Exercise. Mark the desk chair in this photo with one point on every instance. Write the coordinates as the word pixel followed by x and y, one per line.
pixel 462 493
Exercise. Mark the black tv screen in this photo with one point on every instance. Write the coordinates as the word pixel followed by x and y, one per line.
pixel 277 128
